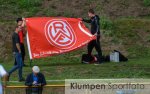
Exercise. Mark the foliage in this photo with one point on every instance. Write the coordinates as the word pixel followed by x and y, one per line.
pixel 106 23
pixel 146 3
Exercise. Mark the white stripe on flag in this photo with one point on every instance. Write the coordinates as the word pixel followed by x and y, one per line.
pixel 28 43
pixel 84 31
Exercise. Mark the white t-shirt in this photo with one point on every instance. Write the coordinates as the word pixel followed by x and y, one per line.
pixel 2 73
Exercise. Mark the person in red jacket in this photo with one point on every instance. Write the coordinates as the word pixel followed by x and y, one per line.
pixel 22 33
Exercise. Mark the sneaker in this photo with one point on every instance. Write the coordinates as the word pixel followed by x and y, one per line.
pixel 21 80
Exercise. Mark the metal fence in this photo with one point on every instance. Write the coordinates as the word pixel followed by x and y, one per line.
pixel 48 89
pixel 60 89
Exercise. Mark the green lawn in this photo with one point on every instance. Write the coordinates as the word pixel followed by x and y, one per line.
pixel 68 66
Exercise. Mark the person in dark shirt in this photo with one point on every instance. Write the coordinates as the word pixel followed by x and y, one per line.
pixel 21 33
pixel 95 30
pixel 17 54
pixel 35 79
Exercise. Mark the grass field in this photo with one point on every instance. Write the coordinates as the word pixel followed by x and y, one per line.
pixel 68 66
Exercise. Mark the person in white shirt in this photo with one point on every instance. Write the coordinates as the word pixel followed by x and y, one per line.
pixel 3 73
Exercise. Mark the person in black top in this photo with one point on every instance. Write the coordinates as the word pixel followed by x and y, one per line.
pixel 95 30
pixel 35 79
pixel 17 54
pixel 21 22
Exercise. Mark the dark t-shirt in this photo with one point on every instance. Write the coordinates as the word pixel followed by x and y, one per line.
pixel 15 40
pixel 95 25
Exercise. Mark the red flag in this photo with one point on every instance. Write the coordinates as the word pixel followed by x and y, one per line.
pixel 48 36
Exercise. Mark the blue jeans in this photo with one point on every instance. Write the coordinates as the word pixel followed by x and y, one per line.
pixel 18 66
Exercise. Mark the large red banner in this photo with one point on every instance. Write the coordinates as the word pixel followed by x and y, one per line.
pixel 48 36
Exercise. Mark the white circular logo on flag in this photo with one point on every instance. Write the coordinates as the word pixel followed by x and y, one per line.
pixel 60 34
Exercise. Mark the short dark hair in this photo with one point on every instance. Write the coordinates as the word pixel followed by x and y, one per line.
pixel 19 19
pixel 91 11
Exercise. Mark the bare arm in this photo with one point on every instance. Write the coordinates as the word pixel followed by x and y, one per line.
pixel 24 22
pixel 18 47
pixel 24 26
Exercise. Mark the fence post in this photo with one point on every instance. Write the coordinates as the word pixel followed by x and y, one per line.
pixel 4 86
pixel 30 62
pixel 4 90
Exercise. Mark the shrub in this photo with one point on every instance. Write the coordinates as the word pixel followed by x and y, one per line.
pixel 106 23
pixel 136 51
pixel 146 2
pixel 27 4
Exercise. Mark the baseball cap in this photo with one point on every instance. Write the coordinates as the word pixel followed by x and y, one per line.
pixel 36 69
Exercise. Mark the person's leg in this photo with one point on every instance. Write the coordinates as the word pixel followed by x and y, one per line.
pixel 20 64
pixel 23 52
pixel 40 90
pixel 1 90
pixel 15 67
pixel 90 47
pixel 15 63
pixel 98 49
